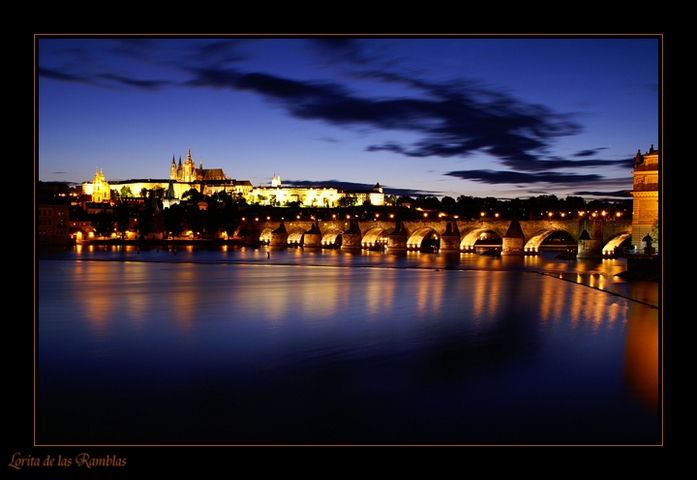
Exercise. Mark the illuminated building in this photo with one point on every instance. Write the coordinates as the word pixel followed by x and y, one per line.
pixel 99 189
pixel 279 195
pixel 645 193
pixel 188 173
pixel 182 178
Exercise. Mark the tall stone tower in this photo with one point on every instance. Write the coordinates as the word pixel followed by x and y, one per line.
pixel 645 193
pixel 189 170
pixel 173 170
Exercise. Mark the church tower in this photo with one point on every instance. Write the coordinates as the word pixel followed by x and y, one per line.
pixel 101 192
pixel 173 169
pixel 189 170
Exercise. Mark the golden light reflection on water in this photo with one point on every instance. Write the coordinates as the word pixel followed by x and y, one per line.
pixel 557 328
pixel 484 298
pixel 380 293
pixel 642 354
pixel 91 302
pixel 582 306
pixel 321 299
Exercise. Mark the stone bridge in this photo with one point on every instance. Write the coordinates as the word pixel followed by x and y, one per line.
pixel 594 237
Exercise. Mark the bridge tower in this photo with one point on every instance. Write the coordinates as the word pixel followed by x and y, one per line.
pixel 645 193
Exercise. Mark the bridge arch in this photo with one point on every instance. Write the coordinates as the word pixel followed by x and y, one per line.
pixel 265 235
pixel 295 236
pixel 373 237
pixel 332 236
pixel 533 244
pixel 417 237
pixel 470 238
pixel 615 242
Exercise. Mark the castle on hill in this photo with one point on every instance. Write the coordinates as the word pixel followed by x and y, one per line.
pixel 184 176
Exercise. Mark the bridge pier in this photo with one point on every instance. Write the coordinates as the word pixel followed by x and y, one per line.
pixel 450 240
pixel 279 237
pixel 590 249
pixel 514 241
pixel 351 238
pixel 397 239
pixel 313 237
pixel 591 245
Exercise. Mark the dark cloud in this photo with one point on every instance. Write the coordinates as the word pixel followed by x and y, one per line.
pixel 132 82
pixel 104 80
pixel 555 163
pixel 498 177
pixel 451 121
pixel 62 76
pixel 589 152
pixel 619 194
pixel 329 183
pixel 348 186
pixel 449 118
pixel 340 50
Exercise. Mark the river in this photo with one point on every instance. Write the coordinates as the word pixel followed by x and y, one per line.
pixel 266 346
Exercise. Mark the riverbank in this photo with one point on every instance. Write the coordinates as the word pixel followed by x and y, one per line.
pixel 642 267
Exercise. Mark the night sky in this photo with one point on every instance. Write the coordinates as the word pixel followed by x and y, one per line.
pixel 496 116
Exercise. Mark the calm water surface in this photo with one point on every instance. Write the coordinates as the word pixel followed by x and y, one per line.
pixel 231 346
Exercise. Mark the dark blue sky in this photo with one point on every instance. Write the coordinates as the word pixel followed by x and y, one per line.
pixel 495 116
